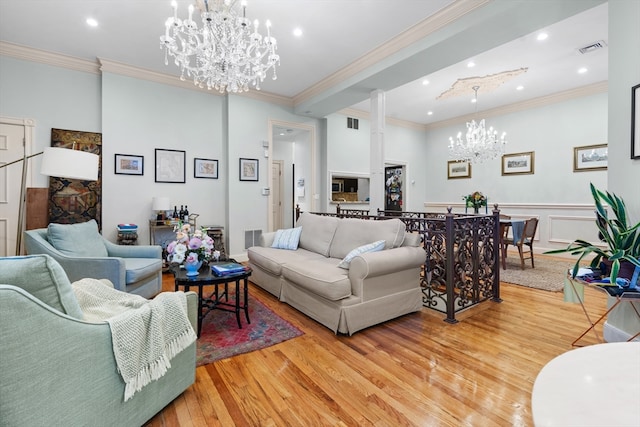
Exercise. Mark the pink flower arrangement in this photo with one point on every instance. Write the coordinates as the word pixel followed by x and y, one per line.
pixel 190 246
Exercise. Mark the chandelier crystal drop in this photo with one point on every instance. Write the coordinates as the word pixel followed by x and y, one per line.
pixel 226 53
pixel 479 144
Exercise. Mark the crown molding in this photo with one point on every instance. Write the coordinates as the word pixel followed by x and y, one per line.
pixel 364 115
pixel 419 31
pixel 592 89
pixel 48 58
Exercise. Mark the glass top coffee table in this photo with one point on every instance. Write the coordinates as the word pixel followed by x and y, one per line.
pixel 218 299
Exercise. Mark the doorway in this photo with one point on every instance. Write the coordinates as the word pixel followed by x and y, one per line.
pixel 292 145
pixel 12 134
pixel 394 188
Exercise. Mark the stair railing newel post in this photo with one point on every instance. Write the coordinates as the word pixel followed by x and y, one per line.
pixel 450 262
pixel 496 254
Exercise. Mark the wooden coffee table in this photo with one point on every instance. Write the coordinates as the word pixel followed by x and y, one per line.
pixel 219 297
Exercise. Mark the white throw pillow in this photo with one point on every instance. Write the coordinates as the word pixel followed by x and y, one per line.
pixel 287 239
pixel 370 247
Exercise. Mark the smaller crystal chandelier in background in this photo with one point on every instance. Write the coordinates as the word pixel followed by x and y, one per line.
pixel 480 144
pixel 227 53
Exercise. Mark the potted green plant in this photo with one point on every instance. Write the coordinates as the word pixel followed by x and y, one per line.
pixel 622 240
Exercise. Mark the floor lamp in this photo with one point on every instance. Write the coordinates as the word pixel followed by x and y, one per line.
pixel 59 162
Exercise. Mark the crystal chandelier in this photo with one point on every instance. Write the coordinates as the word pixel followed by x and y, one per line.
pixel 227 53
pixel 480 144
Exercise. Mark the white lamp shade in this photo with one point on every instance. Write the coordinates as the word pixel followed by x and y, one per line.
pixel 161 204
pixel 66 163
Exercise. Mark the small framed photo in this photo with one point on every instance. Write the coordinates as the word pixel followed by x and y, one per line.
pixel 590 157
pixel 205 168
pixel 248 169
pixel 518 163
pixel 635 122
pixel 170 166
pixel 457 169
pixel 128 164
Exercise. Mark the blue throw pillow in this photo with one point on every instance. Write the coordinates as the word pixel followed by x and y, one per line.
pixel 370 247
pixel 287 239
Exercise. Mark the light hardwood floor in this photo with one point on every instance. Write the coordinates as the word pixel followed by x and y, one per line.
pixel 413 371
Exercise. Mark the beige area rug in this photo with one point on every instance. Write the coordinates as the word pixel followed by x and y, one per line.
pixel 548 275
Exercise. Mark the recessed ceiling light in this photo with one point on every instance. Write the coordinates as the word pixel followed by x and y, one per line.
pixel 473 101
pixel 92 22
pixel 582 70
pixel 429 113
pixel 425 82
pixel 520 87
pixel 297 32
pixel 471 64
pixel 542 36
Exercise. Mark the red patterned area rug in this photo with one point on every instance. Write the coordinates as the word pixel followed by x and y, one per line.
pixel 221 338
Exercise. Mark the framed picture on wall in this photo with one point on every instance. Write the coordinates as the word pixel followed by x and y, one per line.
pixel 170 166
pixel 457 169
pixel 635 122
pixel 205 168
pixel 128 164
pixel 518 163
pixel 248 169
pixel 590 157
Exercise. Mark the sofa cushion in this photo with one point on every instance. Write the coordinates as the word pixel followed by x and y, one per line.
pixel 370 247
pixel 79 240
pixel 287 239
pixel 317 232
pixel 139 268
pixel 353 232
pixel 319 276
pixel 272 259
pixel 42 277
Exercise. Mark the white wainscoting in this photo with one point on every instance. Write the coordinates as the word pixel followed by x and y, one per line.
pixel 559 224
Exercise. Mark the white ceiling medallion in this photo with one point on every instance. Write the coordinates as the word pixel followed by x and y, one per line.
pixel 488 83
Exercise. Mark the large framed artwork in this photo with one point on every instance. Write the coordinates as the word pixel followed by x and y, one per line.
pixel 518 163
pixel 635 122
pixel 248 169
pixel 590 157
pixel 170 166
pixel 456 170
pixel 73 200
pixel 205 168
pixel 127 164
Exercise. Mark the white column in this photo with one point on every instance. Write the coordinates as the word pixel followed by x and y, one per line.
pixel 376 162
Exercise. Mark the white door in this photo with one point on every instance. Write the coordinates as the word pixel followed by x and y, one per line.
pixel 11 148
pixel 276 193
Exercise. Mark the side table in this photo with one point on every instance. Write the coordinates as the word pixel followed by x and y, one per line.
pixel 618 296
pixel 219 298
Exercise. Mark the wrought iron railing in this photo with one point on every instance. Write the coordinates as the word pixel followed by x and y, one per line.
pixel 462 255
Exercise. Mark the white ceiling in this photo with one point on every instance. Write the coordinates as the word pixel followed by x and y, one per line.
pixel 336 33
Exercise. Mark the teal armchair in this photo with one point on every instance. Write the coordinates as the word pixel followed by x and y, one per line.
pixel 60 370
pixel 83 253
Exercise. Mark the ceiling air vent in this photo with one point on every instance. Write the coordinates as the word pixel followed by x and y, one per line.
pixel 593 46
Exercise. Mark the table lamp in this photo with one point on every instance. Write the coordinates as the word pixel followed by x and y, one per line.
pixel 59 162
pixel 160 205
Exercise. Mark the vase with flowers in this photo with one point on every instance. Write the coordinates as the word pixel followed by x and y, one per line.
pixel 191 248
pixel 475 200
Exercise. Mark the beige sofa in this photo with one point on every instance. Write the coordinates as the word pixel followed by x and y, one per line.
pixel 377 286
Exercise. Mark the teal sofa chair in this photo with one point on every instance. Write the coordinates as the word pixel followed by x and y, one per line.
pixel 58 370
pixel 83 253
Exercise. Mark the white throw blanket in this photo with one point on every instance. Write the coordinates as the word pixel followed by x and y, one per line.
pixel 146 334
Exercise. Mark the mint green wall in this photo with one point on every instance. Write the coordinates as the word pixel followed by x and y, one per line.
pixel 551 132
pixel 624 73
pixel 54 97
pixel 140 116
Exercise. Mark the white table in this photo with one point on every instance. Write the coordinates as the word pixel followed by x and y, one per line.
pixel 597 385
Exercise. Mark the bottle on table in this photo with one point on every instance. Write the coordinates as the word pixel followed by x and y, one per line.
pixel 186 214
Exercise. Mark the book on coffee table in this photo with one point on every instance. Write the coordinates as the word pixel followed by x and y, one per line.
pixel 227 268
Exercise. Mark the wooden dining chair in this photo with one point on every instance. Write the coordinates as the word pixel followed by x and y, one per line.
pixel 526 240
pixel 504 234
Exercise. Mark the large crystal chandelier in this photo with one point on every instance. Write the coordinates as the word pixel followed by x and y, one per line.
pixel 226 53
pixel 479 144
